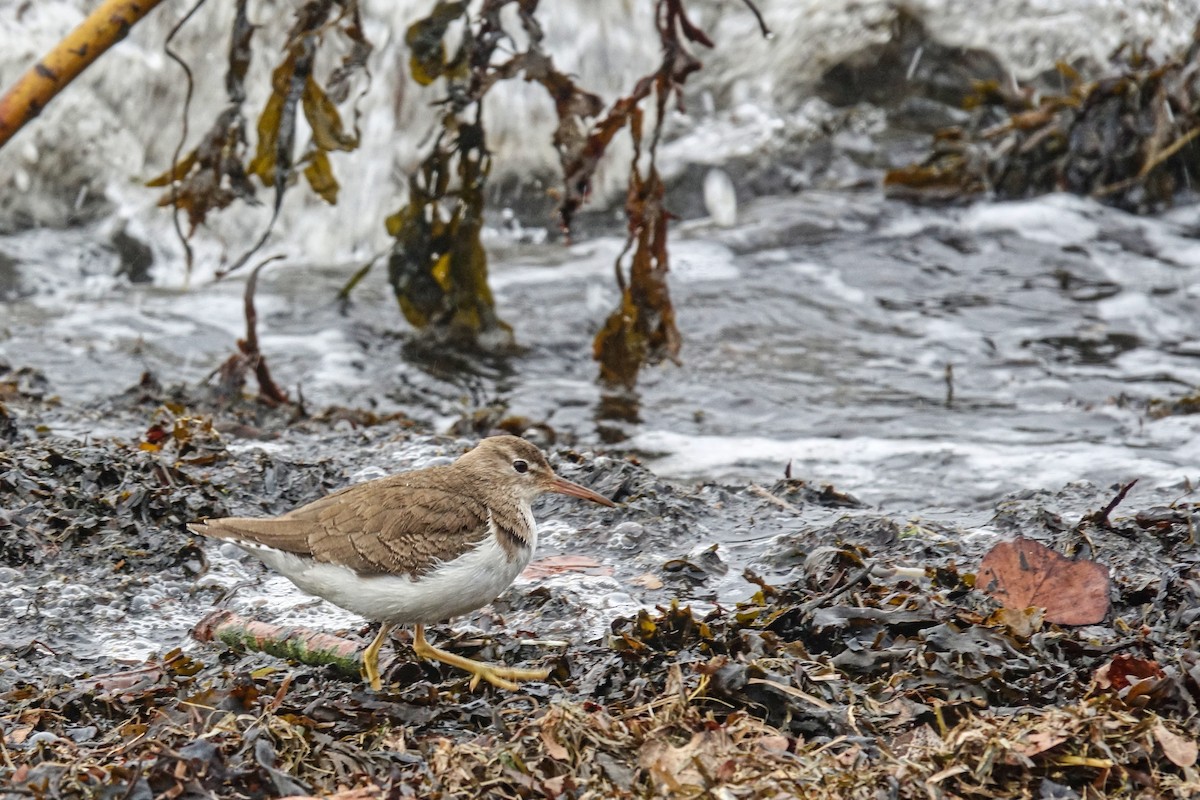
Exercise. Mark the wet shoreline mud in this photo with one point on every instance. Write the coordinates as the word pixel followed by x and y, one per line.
pixel 840 653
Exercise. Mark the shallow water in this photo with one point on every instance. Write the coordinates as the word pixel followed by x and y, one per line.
pixel 916 358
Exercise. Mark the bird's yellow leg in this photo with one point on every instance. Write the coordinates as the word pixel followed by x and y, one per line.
pixel 496 675
pixel 370 657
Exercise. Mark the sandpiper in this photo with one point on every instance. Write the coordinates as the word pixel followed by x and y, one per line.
pixel 415 548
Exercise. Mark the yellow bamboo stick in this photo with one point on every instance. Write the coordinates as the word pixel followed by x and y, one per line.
pixel 103 28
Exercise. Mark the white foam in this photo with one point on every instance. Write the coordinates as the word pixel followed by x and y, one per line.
pixel 901 470
pixel 1054 219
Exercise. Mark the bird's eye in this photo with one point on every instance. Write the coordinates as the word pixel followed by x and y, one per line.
pixel 521 466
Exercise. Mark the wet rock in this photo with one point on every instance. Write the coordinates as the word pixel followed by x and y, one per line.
pixel 141 604
pixel 11 284
pixel 8 424
pixel 626 535
pixel 135 256
pixel 910 64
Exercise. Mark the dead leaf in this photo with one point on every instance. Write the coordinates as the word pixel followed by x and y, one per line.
pixel 772 744
pixel 1023 622
pixel 556 565
pixel 850 756
pixel 647 580
pixel 1039 742
pixel 1024 573
pixel 1179 750
pixel 18 735
pixel 553 748
pixel 555 786
pixel 1124 670
pixel 1135 681
pixel 673 767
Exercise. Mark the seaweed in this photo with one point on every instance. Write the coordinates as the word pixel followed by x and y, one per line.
pixel 218 171
pixel 231 375
pixel 1126 139
pixel 212 176
pixel 802 690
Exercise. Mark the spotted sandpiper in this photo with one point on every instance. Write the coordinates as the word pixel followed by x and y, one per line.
pixel 418 547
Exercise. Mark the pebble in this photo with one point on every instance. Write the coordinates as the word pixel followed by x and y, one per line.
pixel 626 536
pixel 141 603
pixel 231 550
pixel 720 198
pixel 43 737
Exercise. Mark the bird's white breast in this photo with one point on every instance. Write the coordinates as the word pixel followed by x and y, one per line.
pixel 454 587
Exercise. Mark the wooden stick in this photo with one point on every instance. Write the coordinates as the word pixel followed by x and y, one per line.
pixel 103 28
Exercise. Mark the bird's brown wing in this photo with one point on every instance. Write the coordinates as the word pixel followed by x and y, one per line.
pixel 404 524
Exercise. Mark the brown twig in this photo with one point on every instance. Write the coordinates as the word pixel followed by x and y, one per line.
pixel 190 86
pixel 1100 518
pixel 249 358
pixel 762 25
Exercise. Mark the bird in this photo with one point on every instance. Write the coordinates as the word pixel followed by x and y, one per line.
pixel 415 548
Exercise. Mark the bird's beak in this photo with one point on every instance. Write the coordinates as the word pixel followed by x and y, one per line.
pixel 564 486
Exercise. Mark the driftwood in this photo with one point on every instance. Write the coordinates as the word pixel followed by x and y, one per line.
pixel 42 82
pixel 298 644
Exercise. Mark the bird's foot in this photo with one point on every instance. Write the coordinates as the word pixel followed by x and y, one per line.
pixel 503 677
pixel 370 671
pixel 495 674
pixel 370 658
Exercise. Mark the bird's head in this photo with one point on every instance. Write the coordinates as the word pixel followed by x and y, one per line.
pixel 518 467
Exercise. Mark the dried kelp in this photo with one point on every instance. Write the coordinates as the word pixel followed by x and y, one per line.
pixel 71 497
pixel 212 175
pixel 642 328
pixel 1126 139
pixel 231 375
pixel 437 266
pixel 217 172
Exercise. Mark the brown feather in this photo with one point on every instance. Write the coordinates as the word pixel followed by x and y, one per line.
pixel 403 524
